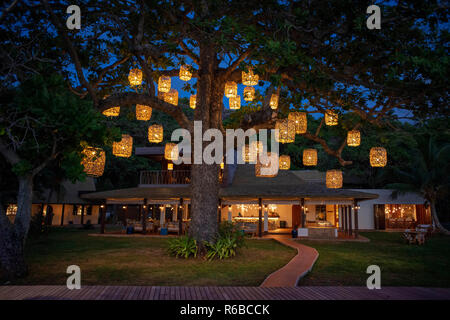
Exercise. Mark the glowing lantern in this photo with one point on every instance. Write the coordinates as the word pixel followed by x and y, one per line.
pixel 257 147
pixel 286 131
pixel 123 148
pixel 249 93
pixel 269 167
pixel 331 118
pixel 185 73
pixel 143 112
pixel 230 89
pixel 310 157
pixel 274 101
pixel 378 157
pixel 249 78
pixel 353 138
pixel 248 154
pixel 155 133
pixel 171 97
pixel 235 102
pixel 285 162
pixel 171 151
pixel 222 165
pixel 334 179
pixel 193 101
pixel 112 112
pixel 164 84
pixel 170 166
pixel 93 161
pixel 301 121
pixel 135 77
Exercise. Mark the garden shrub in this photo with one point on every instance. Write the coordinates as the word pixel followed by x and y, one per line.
pixel 183 247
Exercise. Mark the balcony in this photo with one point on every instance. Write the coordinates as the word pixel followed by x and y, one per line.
pixel 165 177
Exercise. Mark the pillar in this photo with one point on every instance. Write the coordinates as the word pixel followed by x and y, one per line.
pixel 302 213
pixel 350 220
pixel 260 218
pixel 344 215
pixel 62 214
pixel 102 210
pixel 266 218
pixel 163 216
pixel 180 221
pixel 219 212
pixel 82 214
pixel 144 217
pixel 230 213
pixel 356 219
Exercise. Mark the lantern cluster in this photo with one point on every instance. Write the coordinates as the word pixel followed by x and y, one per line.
pixel 300 120
pixel 268 167
pixel 331 118
pixel 235 103
pixel 286 131
pixel 193 101
pixel 164 83
pixel 93 161
pixel 378 157
pixel 185 73
pixel 334 179
pixel 310 157
pixel 171 151
pixel 353 138
pixel 285 162
pixel 123 148
pixel 155 133
pixel 135 77
pixel 143 113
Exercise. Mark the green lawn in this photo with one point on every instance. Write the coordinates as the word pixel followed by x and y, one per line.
pixel 144 261
pixel 345 263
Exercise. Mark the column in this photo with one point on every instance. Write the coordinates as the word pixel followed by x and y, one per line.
pixel 302 213
pixel 260 218
pixel 144 217
pixel 175 214
pixel 82 214
pixel 180 222
pixel 102 210
pixel 230 213
pixel 356 219
pixel 266 218
pixel 344 215
pixel 62 214
pixel 349 220
pixel 219 212
pixel 163 216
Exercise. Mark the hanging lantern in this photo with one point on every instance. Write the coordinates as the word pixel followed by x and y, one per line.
pixel 123 148
pixel 222 165
pixel 378 157
pixel 143 112
pixel 249 78
pixel 257 147
pixel 274 101
pixel 164 84
pixel 171 151
pixel 93 161
pixel 301 121
pixel 171 97
pixel 310 157
pixel 170 166
pixel 248 154
pixel 135 77
pixel 353 138
pixel 266 169
pixel 112 112
pixel 331 118
pixel 230 89
pixel 193 101
pixel 249 93
pixel 235 102
pixel 285 162
pixel 185 73
pixel 155 133
pixel 286 131
pixel 334 179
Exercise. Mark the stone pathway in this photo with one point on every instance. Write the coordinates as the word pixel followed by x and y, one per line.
pixel 298 267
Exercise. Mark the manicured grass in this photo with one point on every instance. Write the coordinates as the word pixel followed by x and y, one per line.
pixel 144 261
pixel 345 263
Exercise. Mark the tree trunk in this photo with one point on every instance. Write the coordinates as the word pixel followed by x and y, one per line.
pixel 13 236
pixel 437 224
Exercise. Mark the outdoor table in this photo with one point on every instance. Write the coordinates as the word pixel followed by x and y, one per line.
pixel 414 236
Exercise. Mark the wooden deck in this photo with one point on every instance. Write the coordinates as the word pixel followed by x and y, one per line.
pixel 220 293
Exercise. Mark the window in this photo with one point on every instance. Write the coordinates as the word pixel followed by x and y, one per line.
pixel 77 209
pixel 11 210
pixel 321 213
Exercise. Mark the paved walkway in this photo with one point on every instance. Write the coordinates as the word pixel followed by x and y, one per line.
pixel 298 267
pixel 220 293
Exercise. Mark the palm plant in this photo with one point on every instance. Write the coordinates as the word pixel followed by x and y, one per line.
pixel 429 175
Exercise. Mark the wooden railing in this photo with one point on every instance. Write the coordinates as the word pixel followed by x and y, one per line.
pixel 165 177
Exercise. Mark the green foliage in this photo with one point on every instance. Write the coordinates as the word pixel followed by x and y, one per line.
pixel 22 168
pixel 229 240
pixel 38 226
pixel 230 230
pixel 183 247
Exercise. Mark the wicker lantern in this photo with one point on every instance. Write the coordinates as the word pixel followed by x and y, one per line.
pixel 378 157
pixel 334 179
pixel 164 84
pixel 310 157
pixel 331 118
pixel 93 161
pixel 353 138
pixel 171 97
pixel 274 101
pixel 235 102
pixel 257 147
pixel 249 93
pixel 193 101
pixel 249 78
pixel 230 89
pixel 171 151
pixel 248 154
pixel 143 112
pixel 301 121
pixel 185 73
pixel 155 133
pixel 286 131
pixel 273 170
pixel 285 162
pixel 135 77
pixel 112 112
pixel 123 148
pixel 170 166
pixel 222 165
